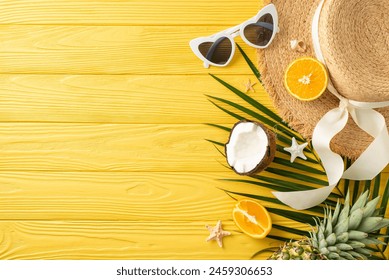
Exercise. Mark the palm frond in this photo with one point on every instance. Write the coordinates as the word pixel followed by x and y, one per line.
pixel 377 185
pixel 283 184
pixel 298 176
pixel 298 166
pixel 276 237
pixel 300 217
pixel 384 205
pixel 347 181
pixel 257 105
pixel 254 196
pixel 228 129
pixel 217 145
pixel 385 198
pixel 291 230
pixel 270 123
pixel 214 142
pixel 367 185
pixel 270 186
pixel 285 176
pixel 236 116
pixel 355 191
pixel 253 68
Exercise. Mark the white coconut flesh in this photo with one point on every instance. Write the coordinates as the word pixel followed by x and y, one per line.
pixel 247 147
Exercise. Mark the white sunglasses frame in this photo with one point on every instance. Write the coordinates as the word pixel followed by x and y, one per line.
pixel 233 32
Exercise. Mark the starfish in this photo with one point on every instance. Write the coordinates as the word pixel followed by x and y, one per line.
pixel 217 233
pixel 296 150
pixel 249 86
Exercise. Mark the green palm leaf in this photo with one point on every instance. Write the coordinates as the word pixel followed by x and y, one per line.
pixel 250 100
pixel 257 116
pixel 377 184
pixel 285 176
pixel 385 198
pixel 228 129
pixel 355 192
pixel 214 142
pixel 295 216
pixel 298 166
pixel 273 184
pixel 291 230
pixel 236 116
pixel 250 64
pixel 384 205
pixel 297 176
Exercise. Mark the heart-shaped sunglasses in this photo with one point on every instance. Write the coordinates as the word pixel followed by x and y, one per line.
pixel 258 32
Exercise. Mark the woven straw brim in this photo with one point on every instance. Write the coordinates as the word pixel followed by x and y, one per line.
pixel 295 19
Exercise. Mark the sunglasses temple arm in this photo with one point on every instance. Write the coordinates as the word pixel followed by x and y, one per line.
pixel 211 51
pixel 213 48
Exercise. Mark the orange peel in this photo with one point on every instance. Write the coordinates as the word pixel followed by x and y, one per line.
pixel 252 218
pixel 306 78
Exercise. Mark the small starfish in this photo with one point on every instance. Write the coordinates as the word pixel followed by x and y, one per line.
pixel 249 86
pixel 296 150
pixel 217 233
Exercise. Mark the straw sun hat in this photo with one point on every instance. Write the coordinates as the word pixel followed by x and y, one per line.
pixel 354 40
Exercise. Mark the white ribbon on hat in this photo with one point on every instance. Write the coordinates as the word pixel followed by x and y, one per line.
pixel 369 164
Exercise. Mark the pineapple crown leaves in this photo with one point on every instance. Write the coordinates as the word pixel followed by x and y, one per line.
pixel 348 233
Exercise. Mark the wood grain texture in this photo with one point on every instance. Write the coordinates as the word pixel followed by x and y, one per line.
pixel 117 215
pixel 102 142
pixel 124 196
pixel 108 147
pixel 121 240
pixel 143 50
pixel 112 147
pixel 134 99
pixel 127 12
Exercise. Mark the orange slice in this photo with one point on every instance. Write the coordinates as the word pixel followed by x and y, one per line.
pixel 252 218
pixel 306 78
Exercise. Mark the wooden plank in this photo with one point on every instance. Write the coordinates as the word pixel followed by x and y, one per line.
pixel 124 12
pixel 173 232
pixel 162 196
pixel 104 147
pixel 118 98
pixel 122 240
pixel 124 196
pixel 111 147
pixel 140 50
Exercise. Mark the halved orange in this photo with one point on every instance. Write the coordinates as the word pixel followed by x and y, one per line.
pixel 252 218
pixel 306 78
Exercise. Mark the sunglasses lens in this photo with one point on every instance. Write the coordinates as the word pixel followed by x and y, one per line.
pixel 218 52
pixel 261 32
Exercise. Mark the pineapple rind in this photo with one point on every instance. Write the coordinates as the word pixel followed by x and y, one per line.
pixel 297 250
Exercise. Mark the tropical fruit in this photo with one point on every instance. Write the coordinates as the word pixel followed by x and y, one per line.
pixel 298 250
pixel 306 78
pixel 345 233
pixel 252 218
pixel 250 148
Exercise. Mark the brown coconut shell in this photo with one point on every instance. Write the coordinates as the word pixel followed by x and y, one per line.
pixel 270 151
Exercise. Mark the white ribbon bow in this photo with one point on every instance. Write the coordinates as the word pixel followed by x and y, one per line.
pixel 369 164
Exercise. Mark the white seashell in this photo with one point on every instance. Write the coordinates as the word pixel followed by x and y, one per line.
pixel 298 45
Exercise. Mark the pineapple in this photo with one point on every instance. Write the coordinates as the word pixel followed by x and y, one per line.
pixel 344 234
pixel 298 250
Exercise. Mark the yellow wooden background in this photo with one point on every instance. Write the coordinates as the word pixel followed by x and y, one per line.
pixel 102 112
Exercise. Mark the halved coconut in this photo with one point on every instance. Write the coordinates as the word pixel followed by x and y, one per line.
pixel 250 148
